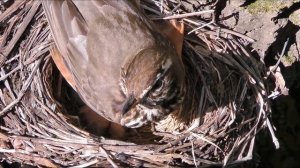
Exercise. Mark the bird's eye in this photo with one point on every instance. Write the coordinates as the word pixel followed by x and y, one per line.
pixel 158 85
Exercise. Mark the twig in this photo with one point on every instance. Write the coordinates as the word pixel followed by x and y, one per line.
pixel 179 16
pixel 193 154
pixel 281 55
pixel 23 90
pixel 87 164
pixel 11 10
pixel 221 30
pixel 25 23
pixel 108 157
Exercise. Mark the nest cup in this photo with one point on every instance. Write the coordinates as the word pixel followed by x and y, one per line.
pixel 225 106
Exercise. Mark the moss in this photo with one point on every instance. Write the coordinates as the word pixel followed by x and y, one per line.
pixel 288 59
pixel 265 6
pixel 295 17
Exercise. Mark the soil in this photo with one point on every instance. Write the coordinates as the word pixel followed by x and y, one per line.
pixel 271 29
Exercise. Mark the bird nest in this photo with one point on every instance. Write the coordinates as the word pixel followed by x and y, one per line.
pixel 227 98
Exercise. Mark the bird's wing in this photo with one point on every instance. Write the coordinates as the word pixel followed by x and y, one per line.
pixel 95 38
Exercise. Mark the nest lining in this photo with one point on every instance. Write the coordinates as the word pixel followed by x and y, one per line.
pixel 227 99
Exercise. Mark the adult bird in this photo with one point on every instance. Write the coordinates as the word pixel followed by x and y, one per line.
pixel 117 60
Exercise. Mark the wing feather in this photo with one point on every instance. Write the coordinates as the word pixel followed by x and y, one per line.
pixel 96 38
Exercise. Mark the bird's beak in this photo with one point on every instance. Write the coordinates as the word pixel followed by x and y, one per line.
pixel 129 102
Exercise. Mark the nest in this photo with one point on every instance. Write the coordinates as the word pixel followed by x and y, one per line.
pixel 227 98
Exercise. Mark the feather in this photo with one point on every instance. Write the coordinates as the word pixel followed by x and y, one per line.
pixel 96 38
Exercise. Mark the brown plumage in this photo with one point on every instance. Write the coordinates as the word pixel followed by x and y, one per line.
pixel 117 61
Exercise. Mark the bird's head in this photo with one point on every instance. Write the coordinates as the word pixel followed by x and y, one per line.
pixel 153 85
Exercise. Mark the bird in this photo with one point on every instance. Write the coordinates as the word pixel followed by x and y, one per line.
pixel 122 66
